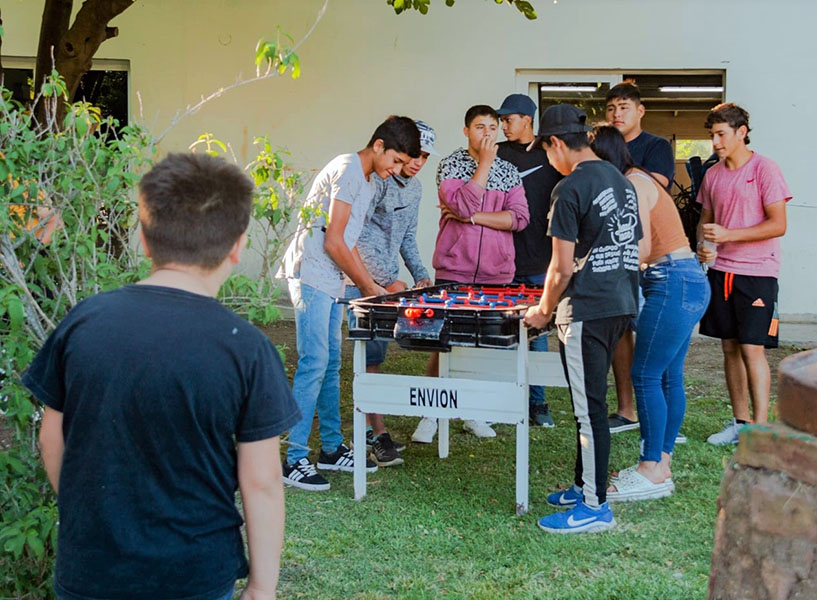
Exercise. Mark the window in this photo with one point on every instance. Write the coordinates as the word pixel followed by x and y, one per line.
pixel 589 96
pixel 687 148
pixel 105 85
pixel 676 101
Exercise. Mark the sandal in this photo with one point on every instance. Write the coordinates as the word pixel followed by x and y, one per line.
pixel 632 486
pixel 632 469
pixel 618 423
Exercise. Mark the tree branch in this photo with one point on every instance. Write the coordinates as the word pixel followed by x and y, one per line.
pixel 268 74
pixel 76 49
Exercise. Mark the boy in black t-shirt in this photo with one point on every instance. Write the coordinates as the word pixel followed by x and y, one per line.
pixel 593 276
pixel 147 389
pixel 653 154
pixel 532 256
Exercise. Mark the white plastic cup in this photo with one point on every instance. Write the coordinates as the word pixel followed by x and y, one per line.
pixel 711 246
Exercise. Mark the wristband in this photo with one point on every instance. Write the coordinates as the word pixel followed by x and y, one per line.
pixel 472 220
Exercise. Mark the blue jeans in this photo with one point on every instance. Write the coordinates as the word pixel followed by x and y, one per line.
pixel 316 384
pixel 676 295
pixel 536 395
pixel 375 349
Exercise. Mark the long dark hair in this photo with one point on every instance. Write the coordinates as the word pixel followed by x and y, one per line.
pixel 608 144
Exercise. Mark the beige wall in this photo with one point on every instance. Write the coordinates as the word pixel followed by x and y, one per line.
pixel 363 63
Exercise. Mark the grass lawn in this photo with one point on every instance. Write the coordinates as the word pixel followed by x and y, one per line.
pixel 446 528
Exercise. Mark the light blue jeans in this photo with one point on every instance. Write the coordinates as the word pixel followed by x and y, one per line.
pixel 676 294
pixel 375 349
pixel 536 395
pixel 316 384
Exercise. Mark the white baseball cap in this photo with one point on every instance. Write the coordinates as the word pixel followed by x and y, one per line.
pixel 427 137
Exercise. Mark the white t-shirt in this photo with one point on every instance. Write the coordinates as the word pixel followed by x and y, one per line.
pixel 305 259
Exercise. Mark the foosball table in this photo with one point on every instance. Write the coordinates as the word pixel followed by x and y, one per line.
pixel 485 366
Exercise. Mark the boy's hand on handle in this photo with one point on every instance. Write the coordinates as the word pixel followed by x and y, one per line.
pixel 535 318
pixel 396 286
pixel 424 282
pixel 487 150
pixel 374 290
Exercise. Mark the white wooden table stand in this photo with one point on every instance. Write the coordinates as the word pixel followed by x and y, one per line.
pixel 474 383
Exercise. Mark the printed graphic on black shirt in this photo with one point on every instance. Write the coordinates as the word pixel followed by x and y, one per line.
pixel 622 224
pixel 596 208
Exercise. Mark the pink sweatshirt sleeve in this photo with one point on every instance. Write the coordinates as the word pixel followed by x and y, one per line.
pixel 463 197
pixel 517 205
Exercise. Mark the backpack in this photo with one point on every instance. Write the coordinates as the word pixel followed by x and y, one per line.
pixel 685 199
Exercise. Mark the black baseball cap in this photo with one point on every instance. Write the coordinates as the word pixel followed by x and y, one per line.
pixel 517 104
pixel 560 119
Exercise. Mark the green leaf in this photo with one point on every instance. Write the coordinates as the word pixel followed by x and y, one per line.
pixel 35 544
pixel 16 313
pixel 81 125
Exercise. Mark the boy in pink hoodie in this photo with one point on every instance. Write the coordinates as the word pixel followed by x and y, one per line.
pixel 482 202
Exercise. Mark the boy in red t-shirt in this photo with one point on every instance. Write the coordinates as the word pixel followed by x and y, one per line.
pixel 744 214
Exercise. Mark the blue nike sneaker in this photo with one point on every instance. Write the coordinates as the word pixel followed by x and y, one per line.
pixel 565 498
pixel 580 519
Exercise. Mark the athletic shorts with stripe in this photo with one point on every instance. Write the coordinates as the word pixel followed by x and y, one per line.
pixel 743 308
pixel 587 352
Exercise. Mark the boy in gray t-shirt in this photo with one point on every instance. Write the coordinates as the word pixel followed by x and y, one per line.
pixel 314 265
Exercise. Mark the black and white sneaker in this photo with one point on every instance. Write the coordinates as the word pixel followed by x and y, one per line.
pixel 384 452
pixel 342 459
pixel 370 440
pixel 303 475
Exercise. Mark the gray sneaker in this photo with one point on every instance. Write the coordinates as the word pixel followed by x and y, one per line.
pixel 385 452
pixel 540 416
pixel 728 435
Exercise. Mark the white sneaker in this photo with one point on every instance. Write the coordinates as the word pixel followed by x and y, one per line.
pixel 479 428
pixel 681 439
pixel 425 432
pixel 729 435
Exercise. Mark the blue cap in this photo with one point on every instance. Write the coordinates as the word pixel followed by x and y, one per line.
pixel 517 104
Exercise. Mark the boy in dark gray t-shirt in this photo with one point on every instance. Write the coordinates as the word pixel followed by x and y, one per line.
pixel 593 278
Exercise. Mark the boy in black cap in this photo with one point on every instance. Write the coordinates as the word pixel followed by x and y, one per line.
pixel 538 178
pixel 593 277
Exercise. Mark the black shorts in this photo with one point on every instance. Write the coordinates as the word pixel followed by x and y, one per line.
pixel 743 308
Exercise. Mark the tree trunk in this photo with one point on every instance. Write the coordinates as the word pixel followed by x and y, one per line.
pixel 54 25
pixel 75 47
